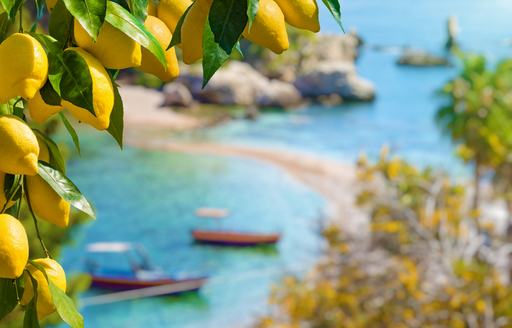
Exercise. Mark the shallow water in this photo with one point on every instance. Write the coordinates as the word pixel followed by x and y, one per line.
pixel 151 197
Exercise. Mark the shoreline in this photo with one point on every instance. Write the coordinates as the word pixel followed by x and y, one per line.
pixel 333 180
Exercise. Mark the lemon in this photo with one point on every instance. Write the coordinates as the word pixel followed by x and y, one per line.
pixel 192 31
pixel 13 247
pixel 23 67
pixel 269 28
pixel 170 11
pixel 50 4
pixel 18 147
pixel 301 14
pixel 39 110
pixel 113 48
pixel 102 93
pixel 3 196
pixel 150 64
pixel 45 202
pixel 55 274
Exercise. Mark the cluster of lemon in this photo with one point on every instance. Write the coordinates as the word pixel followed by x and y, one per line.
pixel 20 150
pixel 268 29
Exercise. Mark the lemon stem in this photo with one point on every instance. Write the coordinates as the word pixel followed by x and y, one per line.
pixel 21 18
pixel 35 220
pixel 15 283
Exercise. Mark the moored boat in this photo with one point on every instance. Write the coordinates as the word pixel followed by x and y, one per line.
pixel 233 238
pixel 140 274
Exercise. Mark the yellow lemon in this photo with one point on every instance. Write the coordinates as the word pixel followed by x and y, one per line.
pixel 41 111
pixel 3 196
pixel 192 31
pixel 23 67
pixel 301 14
pixel 269 28
pixel 102 94
pixel 45 202
pixel 113 48
pixel 50 4
pixel 170 11
pixel 18 147
pixel 13 247
pixel 150 64
pixel 55 274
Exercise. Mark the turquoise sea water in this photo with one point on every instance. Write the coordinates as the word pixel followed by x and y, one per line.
pixel 151 197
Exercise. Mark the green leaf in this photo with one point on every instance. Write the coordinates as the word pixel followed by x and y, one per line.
pixel 89 13
pixel 123 20
pixel 49 95
pixel 56 159
pixel 55 60
pixel 213 55
pixel 139 8
pixel 5 109
pixel 12 187
pixel 227 22
pixel 8 300
pixel 61 24
pixel 76 83
pixel 11 7
pixel 176 36
pixel 334 7
pixel 252 10
pixel 31 320
pixel 65 188
pixel 116 118
pixel 65 307
pixel 5 22
pixel 71 131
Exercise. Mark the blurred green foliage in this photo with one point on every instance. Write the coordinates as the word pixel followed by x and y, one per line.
pixel 478 116
pixel 429 261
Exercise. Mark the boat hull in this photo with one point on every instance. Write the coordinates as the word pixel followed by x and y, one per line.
pixel 228 238
pixel 123 284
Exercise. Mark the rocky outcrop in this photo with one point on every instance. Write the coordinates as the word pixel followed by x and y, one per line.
pixel 240 84
pixel 421 58
pixel 279 94
pixel 177 95
pixel 335 78
pixel 323 70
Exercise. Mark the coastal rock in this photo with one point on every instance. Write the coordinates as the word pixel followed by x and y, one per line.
pixel 240 84
pixel 279 94
pixel 421 58
pixel 336 47
pixel 335 78
pixel 177 95
pixel 236 84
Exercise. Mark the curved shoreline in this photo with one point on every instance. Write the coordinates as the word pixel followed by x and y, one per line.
pixel 333 180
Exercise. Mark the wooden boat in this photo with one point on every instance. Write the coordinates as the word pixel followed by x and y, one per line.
pixel 139 274
pixel 232 238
